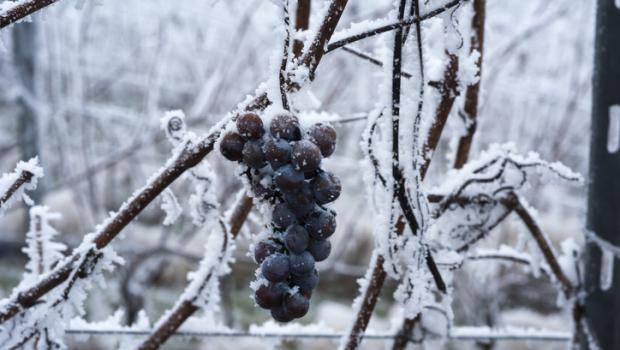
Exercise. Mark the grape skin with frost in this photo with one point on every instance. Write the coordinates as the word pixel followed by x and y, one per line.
pixel 320 249
pixel 285 126
pixel 264 249
pixel 326 187
pixel 306 156
pixel 301 264
pixel 324 136
pixel 277 152
pixel 276 267
pixel 296 305
pixel 231 146
pixel 280 314
pixel 253 154
pixel 250 126
pixel 289 179
pixel 296 239
pixel 306 282
pixel 270 295
pixel 282 216
pixel 321 224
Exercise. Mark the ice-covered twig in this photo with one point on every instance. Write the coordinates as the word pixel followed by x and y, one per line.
pixel 302 22
pixel 13 185
pixel 370 59
pixel 393 26
pixel 287 40
pixel 14 10
pixel 472 92
pixel 210 270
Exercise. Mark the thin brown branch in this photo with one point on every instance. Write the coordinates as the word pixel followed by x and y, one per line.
pixel 315 52
pixel 545 247
pixel 393 26
pixel 302 22
pixel 472 93
pixel 403 336
pixel 23 178
pixel 284 61
pixel 371 59
pixel 23 10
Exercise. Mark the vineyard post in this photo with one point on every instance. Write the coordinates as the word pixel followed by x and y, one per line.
pixel 603 301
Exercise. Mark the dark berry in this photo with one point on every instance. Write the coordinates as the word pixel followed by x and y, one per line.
pixel 250 126
pixel 323 136
pixel 296 305
pixel 276 267
pixel 264 249
pixel 282 216
pixel 296 239
pixel 306 282
pixel 253 155
pixel 277 152
pixel 301 264
pixel 231 146
pixel 319 249
pixel 321 224
pixel 270 295
pixel 326 187
pixel 280 314
pixel 285 126
pixel 306 156
pixel 301 202
pixel 288 179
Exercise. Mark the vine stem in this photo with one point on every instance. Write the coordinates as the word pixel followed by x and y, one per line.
pixel 22 10
pixel 23 178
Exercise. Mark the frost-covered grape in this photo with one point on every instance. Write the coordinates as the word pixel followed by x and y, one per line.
pixel 277 152
pixel 231 146
pixel 306 156
pixel 270 295
pixel 282 216
pixel 321 224
pixel 296 239
pixel 276 267
pixel 296 305
pixel 285 126
pixel 326 187
pixel 319 248
pixel 288 179
pixel 301 202
pixel 250 126
pixel 301 264
pixel 323 136
pixel 280 314
pixel 253 155
pixel 263 249
pixel 306 282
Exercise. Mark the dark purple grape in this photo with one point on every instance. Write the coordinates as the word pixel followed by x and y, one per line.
pixel 231 146
pixel 264 249
pixel 253 155
pixel 277 152
pixel 306 156
pixel 285 126
pixel 296 305
pixel 296 239
pixel 319 249
pixel 321 224
pixel 250 126
pixel 282 216
pixel 324 136
pixel 288 179
pixel 301 202
pixel 326 187
pixel 270 295
pixel 301 264
pixel 276 267
pixel 307 282
pixel 280 314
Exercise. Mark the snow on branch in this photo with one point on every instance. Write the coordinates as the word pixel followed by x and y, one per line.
pixel 13 185
pixel 14 10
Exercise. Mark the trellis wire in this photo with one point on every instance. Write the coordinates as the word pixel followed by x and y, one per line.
pixel 458 333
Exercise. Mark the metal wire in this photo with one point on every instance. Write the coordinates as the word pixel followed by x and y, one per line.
pixel 458 333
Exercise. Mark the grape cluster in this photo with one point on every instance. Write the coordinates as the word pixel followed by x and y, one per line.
pixel 283 167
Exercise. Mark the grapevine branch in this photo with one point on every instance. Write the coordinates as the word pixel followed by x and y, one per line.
pixel 23 178
pixel 23 10
pixel 184 309
pixel 302 22
pixel 472 92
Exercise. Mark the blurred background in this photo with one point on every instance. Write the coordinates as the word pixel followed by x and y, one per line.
pixel 85 84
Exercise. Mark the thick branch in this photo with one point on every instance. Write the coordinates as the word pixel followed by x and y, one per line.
pixel 302 22
pixel 20 11
pixel 472 93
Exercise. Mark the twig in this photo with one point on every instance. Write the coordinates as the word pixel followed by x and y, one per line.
pixel 23 178
pixel 472 92
pixel 302 22
pixel 397 25
pixel 370 59
pixel 20 11
pixel 284 61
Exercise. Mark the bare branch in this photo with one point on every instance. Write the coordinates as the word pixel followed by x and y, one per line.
pixel 23 178
pixel 23 10
pixel 302 22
